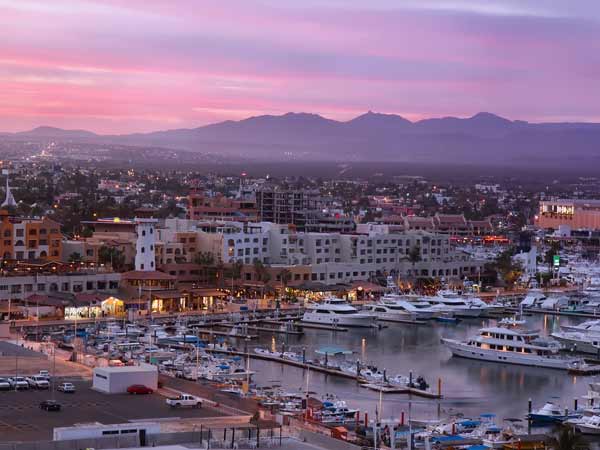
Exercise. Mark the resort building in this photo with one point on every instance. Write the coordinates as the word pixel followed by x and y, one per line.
pixel 573 213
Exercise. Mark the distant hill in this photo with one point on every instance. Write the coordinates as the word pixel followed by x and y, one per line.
pixel 52 132
pixel 483 138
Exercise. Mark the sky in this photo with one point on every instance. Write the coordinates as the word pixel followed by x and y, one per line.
pixel 120 66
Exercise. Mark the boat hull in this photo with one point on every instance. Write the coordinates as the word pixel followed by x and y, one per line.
pixel 466 351
pixel 349 320
pixel 577 345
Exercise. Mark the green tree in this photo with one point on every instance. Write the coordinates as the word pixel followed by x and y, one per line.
pixel 75 257
pixel 285 276
pixel 568 439
pixel 551 253
pixel 112 256
pixel 507 269
pixel 204 259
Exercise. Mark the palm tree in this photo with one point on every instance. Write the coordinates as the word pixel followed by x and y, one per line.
pixel 261 275
pixel 414 256
pixel 75 257
pixel 568 439
pixel 112 256
pixel 285 276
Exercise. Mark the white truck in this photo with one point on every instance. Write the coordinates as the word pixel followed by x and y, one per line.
pixel 38 382
pixel 184 400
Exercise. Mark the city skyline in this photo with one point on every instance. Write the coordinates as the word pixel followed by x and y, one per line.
pixel 120 67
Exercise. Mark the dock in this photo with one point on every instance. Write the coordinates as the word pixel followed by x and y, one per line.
pixel 325 370
pixel 314 326
pixel 553 312
pixel 225 333
pixel 406 321
pixel 391 389
pixel 585 370
pixel 250 328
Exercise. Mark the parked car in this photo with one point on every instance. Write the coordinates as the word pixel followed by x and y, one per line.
pixel 44 374
pixel 184 400
pixel 50 405
pixel 139 389
pixel 67 388
pixel 38 382
pixel 18 383
pixel 4 384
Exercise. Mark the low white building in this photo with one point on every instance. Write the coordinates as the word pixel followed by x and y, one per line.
pixel 116 380
pixel 99 430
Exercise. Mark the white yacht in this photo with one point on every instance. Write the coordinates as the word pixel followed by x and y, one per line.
pixel 589 326
pixel 587 424
pixel 391 307
pixel 336 311
pixel 454 303
pixel 579 341
pixel 511 346
pixel 534 299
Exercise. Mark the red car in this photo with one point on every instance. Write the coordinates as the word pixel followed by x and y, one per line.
pixel 139 389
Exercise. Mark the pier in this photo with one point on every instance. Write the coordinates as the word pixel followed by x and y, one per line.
pixel 328 371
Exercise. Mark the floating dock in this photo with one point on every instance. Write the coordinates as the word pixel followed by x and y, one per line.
pixel 392 389
pixel 314 326
pixel 325 370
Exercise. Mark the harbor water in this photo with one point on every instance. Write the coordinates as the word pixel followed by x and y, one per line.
pixel 469 387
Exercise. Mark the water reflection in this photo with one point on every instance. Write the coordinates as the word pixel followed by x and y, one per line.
pixel 469 386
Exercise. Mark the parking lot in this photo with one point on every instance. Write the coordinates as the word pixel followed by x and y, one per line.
pixel 21 418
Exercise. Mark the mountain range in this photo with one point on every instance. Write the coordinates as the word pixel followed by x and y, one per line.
pixel 484 138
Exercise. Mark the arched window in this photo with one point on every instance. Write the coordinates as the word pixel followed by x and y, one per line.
pixel 43 254
pixel 143 250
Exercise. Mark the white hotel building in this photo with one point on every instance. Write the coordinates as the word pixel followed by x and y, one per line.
pixel 333 257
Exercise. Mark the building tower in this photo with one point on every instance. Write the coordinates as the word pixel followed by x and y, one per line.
pixel 9 199
pixel 144 247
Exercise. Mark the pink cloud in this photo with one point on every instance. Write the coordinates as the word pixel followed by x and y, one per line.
pixel 140 65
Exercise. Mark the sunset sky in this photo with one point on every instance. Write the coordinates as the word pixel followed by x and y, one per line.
pixel 119 66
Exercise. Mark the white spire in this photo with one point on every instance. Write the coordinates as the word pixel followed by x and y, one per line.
pixel 9 200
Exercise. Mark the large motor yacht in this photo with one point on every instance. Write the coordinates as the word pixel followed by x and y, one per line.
pixel 336 311
pixel 455 304
pixel 512 346
pixel 580 341
pixel 395 307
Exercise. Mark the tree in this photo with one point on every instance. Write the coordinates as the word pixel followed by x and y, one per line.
pixel 568 439
pixel 112 256
pixel 414 256
pixel 509 270
pixel 285 276
pixel 204 259
pixel 75 257
pixel 551 253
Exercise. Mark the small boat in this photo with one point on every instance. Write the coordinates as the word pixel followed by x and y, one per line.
pixel 447 318
pixel 551 413
pixel 586 425
pixel 512 322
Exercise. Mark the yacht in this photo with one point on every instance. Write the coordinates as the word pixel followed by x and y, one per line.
pixel 391 310
pixel 411 304
pixel 336 311
pixel 512 346
pixel 534 299
pixel 589 326
pixel 550 413
pixel 579 341
pixel 451 302
pixel 587 424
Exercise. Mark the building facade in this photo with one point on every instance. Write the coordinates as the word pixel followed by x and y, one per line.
pixel 29 238
pixel 573 213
